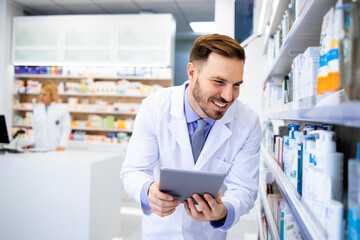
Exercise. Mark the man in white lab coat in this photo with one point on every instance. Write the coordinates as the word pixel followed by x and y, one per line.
pixel 163 136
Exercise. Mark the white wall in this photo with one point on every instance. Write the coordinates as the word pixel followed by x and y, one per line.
pixel 251 89
pixel 7 11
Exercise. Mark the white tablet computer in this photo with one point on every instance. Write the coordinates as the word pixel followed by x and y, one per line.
pixel 182 184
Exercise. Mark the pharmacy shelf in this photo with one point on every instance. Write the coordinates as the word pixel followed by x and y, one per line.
pixel 307 110
pixel 269 216
pixel 259 219
pixel 310 228
pixel 83 128
pixel 101 129
pixel 44 76
pixel 305 32
pixel 275 19
pixel 86 112
pixel 95 94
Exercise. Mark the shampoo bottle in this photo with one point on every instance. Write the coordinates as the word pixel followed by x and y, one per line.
pixel 328 173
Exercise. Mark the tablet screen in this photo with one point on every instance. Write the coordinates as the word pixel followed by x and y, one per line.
pixel 182 184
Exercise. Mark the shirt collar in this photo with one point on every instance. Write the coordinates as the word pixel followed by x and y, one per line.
pixel 190 114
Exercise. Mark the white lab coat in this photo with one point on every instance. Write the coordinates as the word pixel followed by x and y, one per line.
pixel 51 128
pixel 161 139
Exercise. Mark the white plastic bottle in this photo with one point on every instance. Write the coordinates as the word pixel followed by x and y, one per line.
pixel 292 168
pixel 328 173
pixel 286 150
pixel 308 147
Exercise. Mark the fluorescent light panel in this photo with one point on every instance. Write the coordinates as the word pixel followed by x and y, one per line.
pixel 203 27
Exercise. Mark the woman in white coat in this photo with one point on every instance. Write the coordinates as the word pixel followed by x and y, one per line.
pixel 162 137
pixel 51 121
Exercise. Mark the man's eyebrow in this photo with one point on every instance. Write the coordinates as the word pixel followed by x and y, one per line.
pixel 223 79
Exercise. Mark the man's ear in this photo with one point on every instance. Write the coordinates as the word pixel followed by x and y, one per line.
pixel 191 71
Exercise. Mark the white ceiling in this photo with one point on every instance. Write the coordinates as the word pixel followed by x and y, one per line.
pixel 184 11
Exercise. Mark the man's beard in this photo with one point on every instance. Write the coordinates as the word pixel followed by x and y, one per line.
pixel 201 101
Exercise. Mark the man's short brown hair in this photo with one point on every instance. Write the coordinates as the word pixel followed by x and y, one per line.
pixel 220 44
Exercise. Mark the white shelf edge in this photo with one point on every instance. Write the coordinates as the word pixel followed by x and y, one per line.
pixel 44 76
pixel 310 229
pixel 94 112
pixel 306 110
pixel 270 218
pixel 75 143
pixel 259 220
pixel 94 94
pixel 84 128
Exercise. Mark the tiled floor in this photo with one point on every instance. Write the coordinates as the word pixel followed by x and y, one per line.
pixel 131 214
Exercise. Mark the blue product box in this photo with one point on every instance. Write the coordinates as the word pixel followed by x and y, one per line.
pixel 43 69
pixel 33 70
pixel 21 69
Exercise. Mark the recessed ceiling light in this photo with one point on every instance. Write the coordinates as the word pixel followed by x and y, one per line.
pixel 203 27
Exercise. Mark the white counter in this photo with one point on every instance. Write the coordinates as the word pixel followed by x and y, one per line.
pixel 60 195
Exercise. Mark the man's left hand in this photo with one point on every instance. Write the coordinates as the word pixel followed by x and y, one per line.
pixel 210 209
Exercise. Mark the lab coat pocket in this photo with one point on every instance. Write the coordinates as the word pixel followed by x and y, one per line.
pixel 221 166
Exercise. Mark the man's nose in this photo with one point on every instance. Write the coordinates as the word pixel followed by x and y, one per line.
pixel 227 94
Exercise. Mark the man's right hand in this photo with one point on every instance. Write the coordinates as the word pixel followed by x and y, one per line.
pixel 161 203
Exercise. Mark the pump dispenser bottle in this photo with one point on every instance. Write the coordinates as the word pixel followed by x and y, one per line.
pixel 292 164
pixel 308 147
pixel 328 173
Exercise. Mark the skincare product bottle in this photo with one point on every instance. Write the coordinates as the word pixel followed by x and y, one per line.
pixel 353 214
pixel 292 172
pixel 334 225
pixel 328 173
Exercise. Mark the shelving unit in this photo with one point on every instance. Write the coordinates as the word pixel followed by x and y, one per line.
pixel 275 20
pixel 91 98
pixel 92 112
pixel 304 33
pixel 83 128
pixel 306 110
pixel 270 218
pixel 145 78
pixel 95 94
pixel 95 53
pixel 309 227
pixel 110 98
pixel 259 219
pixel 334 109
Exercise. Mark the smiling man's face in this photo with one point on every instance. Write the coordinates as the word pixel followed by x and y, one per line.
pixel 215 86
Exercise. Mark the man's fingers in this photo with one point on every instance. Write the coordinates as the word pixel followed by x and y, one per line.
pixel 203 205
pixel 162 213
pixel 193 211
pixel 213 204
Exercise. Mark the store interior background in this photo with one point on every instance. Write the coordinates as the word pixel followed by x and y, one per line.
pixel 184 12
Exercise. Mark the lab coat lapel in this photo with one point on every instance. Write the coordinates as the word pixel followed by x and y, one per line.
pixel 178 126
pixel 218 134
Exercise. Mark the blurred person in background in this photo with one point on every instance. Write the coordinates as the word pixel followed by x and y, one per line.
pixel 51 121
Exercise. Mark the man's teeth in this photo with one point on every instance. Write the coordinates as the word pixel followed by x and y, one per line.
pixel 219 104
